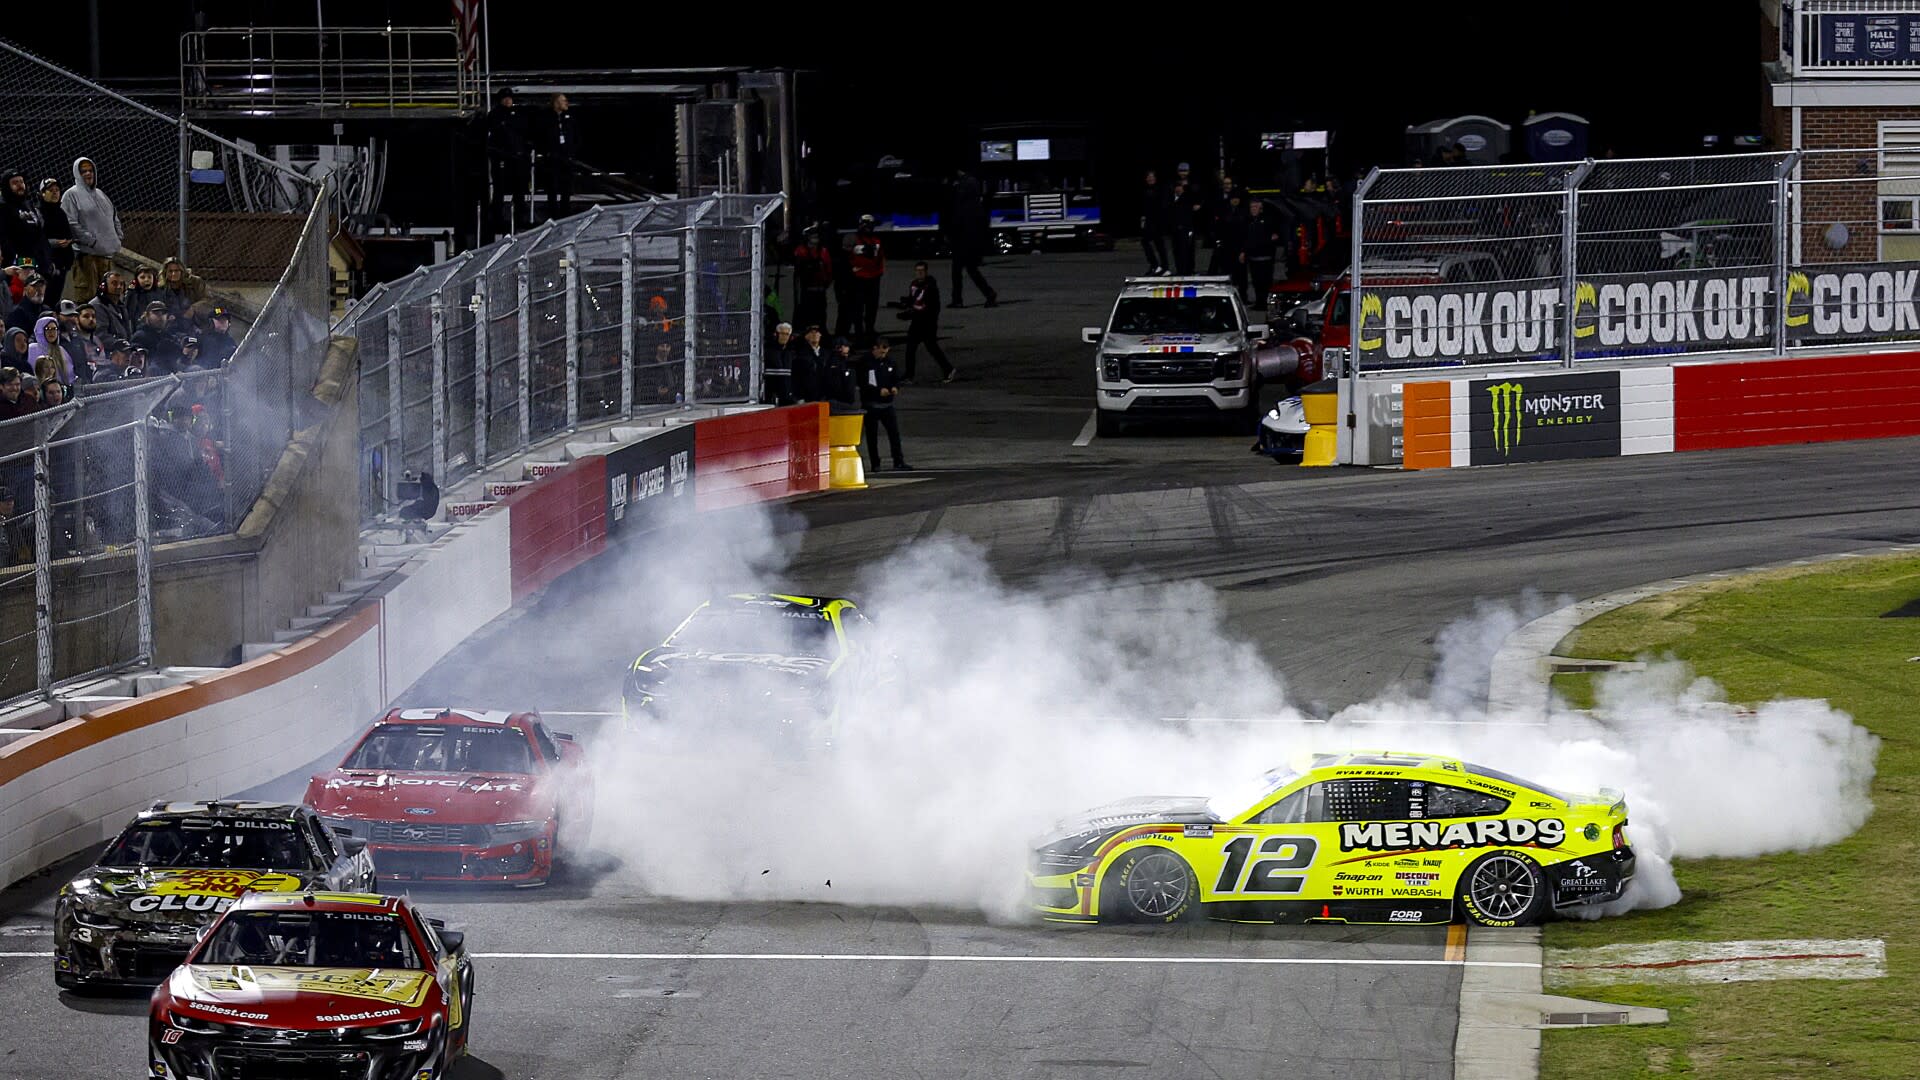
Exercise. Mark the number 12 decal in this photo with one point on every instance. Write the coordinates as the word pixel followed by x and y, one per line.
pixel 1265 876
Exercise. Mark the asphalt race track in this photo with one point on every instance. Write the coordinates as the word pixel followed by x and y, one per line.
pixel 1342 578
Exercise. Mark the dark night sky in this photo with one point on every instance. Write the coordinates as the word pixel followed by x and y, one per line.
pixel 910 79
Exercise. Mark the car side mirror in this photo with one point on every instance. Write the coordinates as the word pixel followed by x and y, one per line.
pixel 454 940
pixel 1091 335
pixel 351 844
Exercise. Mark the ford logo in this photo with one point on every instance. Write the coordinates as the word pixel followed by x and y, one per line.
pixel 419 810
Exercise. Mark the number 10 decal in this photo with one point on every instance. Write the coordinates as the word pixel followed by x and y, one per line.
pixel 1265 876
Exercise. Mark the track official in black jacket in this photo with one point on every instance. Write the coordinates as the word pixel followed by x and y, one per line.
pixel 839 386
pixel 809 359
pixel 1183 214
pixel 1264 233
pixel 879 387
pixel 923 322
pixel 557 142
pixel 507 156
pixel 1153 225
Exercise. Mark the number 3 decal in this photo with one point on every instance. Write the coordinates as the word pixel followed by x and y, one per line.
pixel 1265 876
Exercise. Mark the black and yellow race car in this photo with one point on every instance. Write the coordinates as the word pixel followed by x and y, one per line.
pixel 1356 837
pixel 772 665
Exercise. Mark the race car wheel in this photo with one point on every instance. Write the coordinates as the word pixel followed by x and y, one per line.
pixel 1503 889
pixel 1152 886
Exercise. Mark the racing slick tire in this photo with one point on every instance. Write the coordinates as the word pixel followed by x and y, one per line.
pixel 1151 885
pixel 1504 888
pixel 1107 424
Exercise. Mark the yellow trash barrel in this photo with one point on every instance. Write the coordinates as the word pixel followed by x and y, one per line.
pixel 1321 403
pixel 843 452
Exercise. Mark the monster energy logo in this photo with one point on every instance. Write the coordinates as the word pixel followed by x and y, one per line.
pixel 1506 415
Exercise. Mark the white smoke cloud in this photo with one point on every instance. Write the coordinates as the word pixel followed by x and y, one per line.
pixel 1006 708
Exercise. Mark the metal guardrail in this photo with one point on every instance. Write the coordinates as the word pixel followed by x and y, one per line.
pixel 1573 262
pixel 629 308
pixel 316 71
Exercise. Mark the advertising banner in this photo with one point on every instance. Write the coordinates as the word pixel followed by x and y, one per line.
pixel 1868 39
pixel 650 483
pixel 1680 311
pixel 1853 302
pixel 1544 417
pixel 1417 326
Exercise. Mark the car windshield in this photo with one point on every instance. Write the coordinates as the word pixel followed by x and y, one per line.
pixel 1233 800
pixel 1507 778
pixel 764 630
pixel 1182 315
pixel 459 748
pixel 350 939
pixel 210 843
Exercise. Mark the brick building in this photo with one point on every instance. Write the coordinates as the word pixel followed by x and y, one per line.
pixel 1843 87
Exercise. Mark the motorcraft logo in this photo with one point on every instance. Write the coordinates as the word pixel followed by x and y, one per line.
pixel 1411 835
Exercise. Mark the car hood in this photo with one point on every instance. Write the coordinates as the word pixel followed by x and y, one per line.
pixel 1114 816
pixel 175 895
pixel 1173 343
pixel 753 670
pixel 448 798
pixel 301 997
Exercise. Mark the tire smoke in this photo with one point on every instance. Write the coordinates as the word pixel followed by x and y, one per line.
pixel 1001 709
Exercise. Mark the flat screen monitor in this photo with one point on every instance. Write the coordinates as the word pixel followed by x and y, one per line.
pixel 1033 150
pixel 996 151
pixel 1276 140
pixel 1309 140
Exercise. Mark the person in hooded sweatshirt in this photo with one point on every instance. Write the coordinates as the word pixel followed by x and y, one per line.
pixel 23 235
pixel 46 343
pixel 13 349
pixel 97 235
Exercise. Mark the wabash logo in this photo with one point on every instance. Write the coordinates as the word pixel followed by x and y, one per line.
pixel 1404 835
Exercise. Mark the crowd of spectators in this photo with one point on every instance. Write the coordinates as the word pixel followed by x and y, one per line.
pixel 1252 240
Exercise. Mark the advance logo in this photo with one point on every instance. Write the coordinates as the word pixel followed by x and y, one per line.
pixel 1544 418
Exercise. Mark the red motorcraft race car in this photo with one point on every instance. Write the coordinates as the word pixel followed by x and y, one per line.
pixel 460 795
pixel 315 985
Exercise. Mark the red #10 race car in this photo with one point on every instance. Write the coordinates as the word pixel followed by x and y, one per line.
pixel 460 795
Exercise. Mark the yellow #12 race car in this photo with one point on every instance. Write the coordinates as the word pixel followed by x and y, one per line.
pixel 1357 838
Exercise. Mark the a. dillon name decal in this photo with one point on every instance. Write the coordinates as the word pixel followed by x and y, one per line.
pixel 1405 835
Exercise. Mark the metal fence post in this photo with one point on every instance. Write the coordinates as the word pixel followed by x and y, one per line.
pixel 1569 261
pixel 42 569
pixel 396 440
pixel 482 384
pixel 437 324
pixel 756 325
pixel 691 290
pixel 523 275
pixel 1351 431
pixel 626 325
pixel 142 541
pixel 571 274
pixel 1782 256
pixel 186 162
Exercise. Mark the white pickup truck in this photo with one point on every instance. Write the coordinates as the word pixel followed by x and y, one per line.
pixel 1178 347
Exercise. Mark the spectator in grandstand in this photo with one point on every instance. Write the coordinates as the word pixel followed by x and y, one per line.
pixel 190 355
pixel 868 262
pixel 813 272
pixel 216 344
pixel 923 323
pixel 10 404
pixel 96 228
pixel 968 228
pixel 120 363
pixel 1262 246
pixel 31 305
pixel 47 370
pixel 777 366
pixel 557 141
pixel 1153 225
pixel 209 446
pixel 59 239
pixel 23 235
pixel 144 290
pixel 157 338
pixel 809 359
pixel 13 353
pixel 45 343
pixel 29 392
pixel 52 394
pixel 508 158
pixel 109 305
pixel 180 288
pixel 15 537
pixel 86 351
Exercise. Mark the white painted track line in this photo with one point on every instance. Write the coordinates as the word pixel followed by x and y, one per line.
pixel 1085 437
pixel 897 958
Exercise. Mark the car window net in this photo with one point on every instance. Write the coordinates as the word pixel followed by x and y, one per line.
pixel 310 939
pixel 210 844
